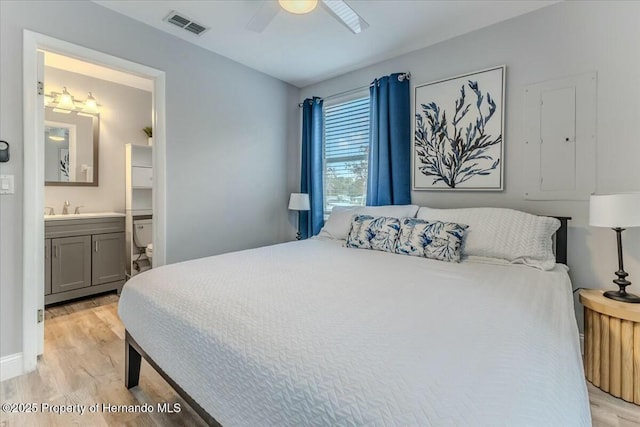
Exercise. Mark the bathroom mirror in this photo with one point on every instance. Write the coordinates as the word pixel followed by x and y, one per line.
pixel 71 147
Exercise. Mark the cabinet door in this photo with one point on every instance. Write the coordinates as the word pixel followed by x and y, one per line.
pixel 141 177
pixel 70 263
pixel 47 266
pixel 108 258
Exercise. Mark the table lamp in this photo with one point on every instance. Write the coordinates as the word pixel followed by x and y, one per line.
pixel 299 202
pixel 618 211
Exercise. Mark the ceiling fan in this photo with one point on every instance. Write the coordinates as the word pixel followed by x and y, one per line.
pixel 339 9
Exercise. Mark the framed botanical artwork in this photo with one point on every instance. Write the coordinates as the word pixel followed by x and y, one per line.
pixel 458 133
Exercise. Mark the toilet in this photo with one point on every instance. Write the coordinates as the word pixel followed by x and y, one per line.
pixel 143 236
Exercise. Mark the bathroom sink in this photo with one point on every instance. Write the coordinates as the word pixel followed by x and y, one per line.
pixel 83 215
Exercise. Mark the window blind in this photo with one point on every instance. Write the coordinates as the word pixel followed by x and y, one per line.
pixel 346 153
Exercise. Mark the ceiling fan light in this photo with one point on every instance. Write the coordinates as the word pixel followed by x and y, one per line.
pixel 57 134
pixel 299 7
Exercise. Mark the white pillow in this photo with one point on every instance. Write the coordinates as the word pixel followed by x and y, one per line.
pixel 339 222
pixel 515 236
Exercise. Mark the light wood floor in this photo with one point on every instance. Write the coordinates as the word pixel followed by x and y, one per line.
pixel 83 363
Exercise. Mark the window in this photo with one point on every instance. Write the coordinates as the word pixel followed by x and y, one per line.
pixel 346 146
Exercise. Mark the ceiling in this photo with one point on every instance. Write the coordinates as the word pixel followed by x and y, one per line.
pixel 306 49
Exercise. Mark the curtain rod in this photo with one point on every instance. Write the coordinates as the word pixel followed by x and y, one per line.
pixel 401 77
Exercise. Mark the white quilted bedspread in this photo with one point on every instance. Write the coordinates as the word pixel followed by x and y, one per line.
pixel 313 334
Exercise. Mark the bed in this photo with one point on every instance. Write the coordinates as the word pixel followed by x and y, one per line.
pixel 314 333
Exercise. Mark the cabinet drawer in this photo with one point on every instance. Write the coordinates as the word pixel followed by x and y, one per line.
pixel 83 227
pixel 141 177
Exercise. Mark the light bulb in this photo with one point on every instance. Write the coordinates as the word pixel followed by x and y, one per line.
pixel 66 100
pixel 90 105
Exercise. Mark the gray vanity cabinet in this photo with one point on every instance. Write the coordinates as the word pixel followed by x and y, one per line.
pixel 47 266
pixel 107 261
pixel 83 257
pixel 70 263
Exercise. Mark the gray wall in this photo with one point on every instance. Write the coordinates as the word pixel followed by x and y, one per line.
pixel 124 111
pixel 562 40
pixel 228 133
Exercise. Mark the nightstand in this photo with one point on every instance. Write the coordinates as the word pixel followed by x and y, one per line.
pixel 612 345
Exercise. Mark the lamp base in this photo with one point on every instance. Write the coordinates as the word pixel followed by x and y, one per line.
pixel 622 296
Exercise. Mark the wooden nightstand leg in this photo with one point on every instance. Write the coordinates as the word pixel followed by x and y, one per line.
pixel 616 351
pixel 596 345
pixel 636 363
pixel 604 352
pixel 626 338
pixel 588 344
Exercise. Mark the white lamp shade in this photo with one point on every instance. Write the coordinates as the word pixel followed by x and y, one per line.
pixel 615 210
pixel 299 202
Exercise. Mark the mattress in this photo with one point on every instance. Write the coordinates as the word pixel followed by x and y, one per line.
pixel 311 333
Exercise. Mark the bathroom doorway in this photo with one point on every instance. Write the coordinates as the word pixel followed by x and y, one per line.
pixel 86 170
pixel 98 160
pixel 98 179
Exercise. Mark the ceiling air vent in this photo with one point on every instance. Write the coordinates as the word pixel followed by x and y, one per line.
pixel 185 23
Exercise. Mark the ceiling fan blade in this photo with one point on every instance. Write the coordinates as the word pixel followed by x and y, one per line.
pixel 263 17
pixel 346 15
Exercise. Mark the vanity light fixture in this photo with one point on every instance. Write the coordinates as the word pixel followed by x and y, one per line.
pixel 90 105
pixel 62 102
pixel 66 100
pixel 65 103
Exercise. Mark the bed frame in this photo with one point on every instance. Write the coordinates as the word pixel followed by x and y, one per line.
pixel 561 240
pixel 134 353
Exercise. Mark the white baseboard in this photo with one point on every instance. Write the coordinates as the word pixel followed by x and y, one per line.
pixel 10 366
pixel 582 344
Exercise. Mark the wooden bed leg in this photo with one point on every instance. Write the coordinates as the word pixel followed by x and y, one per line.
pixel 132 361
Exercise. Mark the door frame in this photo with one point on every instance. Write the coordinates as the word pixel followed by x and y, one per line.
pixel 33 174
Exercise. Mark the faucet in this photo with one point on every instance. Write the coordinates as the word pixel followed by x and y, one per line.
pixel 77 211
pixel 65 208
pixel 51 211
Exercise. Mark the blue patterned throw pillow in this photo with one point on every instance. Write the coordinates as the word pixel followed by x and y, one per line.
pixel 377 233
pixel 431 239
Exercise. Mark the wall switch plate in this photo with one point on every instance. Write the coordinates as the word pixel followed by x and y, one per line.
pixel 7 184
